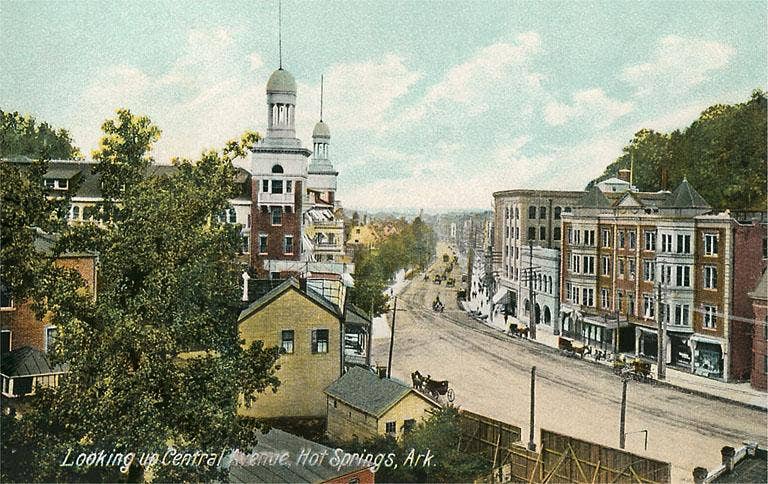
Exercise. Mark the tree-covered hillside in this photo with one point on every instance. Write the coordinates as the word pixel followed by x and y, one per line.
pixel 23 135
pixel 722 153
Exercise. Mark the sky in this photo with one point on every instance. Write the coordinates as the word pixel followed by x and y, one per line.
pixel 431 105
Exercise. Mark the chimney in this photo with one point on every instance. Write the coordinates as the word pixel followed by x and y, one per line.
pixel 699 475
pixel 246 278
pixel 727 454
pixel 624 174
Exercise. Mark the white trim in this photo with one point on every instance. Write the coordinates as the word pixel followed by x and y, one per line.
pixel 10 340
pixel 45 335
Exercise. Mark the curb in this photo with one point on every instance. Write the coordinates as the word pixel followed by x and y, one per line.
pixel 682 389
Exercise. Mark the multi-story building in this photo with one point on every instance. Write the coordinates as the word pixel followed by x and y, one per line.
pixel 26 339
pixel 639 256
pixel 527 242
pixel 759 297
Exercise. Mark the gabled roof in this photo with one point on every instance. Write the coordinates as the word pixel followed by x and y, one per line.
pixel 28 361
pixel 355 315
pixel 614 181
pixel 287 285
pixel 629 200
pixel 685 196
pixel 279 442
pixel 368 393
pixel 594 198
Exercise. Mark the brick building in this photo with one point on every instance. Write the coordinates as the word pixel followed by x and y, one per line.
pixel 760 334
pixel 25 338
pixel 620 254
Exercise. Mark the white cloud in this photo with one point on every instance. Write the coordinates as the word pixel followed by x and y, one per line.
pixel 591 105
pixel 678 64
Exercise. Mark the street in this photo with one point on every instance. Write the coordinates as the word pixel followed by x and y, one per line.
pixel 490 374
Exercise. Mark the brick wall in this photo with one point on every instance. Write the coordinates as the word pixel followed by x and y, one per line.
pixel 261 223
pixel 748 266
pixel 26 328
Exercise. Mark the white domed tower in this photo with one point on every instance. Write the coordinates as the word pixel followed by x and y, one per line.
pixel 279 181
pixel 322 175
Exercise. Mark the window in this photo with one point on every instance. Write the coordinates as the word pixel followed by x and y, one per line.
pixel 531 212
pixel 632 240
pixel 248 221
pixel 49 183
pixel 621 239
pixel 232 216
pixel 277 215
pixel 666 274
pixel 50 336
pixel 683 276
pixel 262 243
pixel 683 244
pixel 531 233
pixel 619 300
pixel 589 237
pixel 265 186
pixel 246 244
pixel 517 233
pixel 621 269
pixel 576 264
pixel 605 301
pixel 606 238
pixel 6 298
pixel 765 248
pixel 589 264
pixel 277 169
pixel 390 427
pixel 288 244
pixel 319 341
pixel 649 270
pixel 277 186
pixel 409 425
pixel 664 312
pixel 710 277
pixel 517 213
pixel 647 306
pixel 543 233
pixel 666 242
pixel 288 186
pixel 568 290
pixel 710 244
pixel 558 211
pixel 577 237
pixel 567 210
pixel 75 212
pixel 710 317
pixel 542 212
pixel 5 341
pixel 631 304
pixel 57 183
pixel 606 265
pixel 556 234
pixel 682 316
pixel 632 271
pixel 650 240
pixel 286 338
pixel 589 297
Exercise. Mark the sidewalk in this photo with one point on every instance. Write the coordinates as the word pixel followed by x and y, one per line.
pixel 381 326
pixel 740 393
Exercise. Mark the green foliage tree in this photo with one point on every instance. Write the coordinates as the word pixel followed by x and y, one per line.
pixel 155 359
pixel 22 135
pixel 722 153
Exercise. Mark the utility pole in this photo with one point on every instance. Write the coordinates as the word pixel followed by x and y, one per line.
pixel 531 294
pixel 392 340
pixel 531 443
pixel 622 435
pixel 661 356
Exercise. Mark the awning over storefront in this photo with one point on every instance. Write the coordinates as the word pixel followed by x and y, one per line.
pixel 597 321
pixel 704 339
pixel 646 330
pixel 501 296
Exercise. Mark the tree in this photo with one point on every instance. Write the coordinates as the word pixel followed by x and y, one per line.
pixel 23 136
pixel 155 360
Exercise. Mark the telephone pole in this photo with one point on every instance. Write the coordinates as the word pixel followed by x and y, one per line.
pixel 531 294
pixel 392 340
pixel 622 435
pixel 531 443
pixel 661 353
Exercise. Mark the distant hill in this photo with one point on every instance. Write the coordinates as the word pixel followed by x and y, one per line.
pixel 722 153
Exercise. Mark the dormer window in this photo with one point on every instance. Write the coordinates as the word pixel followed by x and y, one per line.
pixel 56 183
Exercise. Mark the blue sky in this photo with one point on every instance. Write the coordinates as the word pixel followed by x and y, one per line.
pixel 431 105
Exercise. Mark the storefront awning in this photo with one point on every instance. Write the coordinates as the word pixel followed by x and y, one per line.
pixel 597 321
pixel 501 296
pixel 704 339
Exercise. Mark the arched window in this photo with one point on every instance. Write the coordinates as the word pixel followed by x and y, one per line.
pixel 277 169
pixel 542 212
pixel 517 213
pixel 75 212
pixel 549 283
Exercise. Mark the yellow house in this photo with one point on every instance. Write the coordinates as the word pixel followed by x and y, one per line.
pixel 361 406
pixel 364 236
pixel 308 328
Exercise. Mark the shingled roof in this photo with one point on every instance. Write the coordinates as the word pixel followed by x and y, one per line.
pixel 761 291
pixel 28 361
pixel 284 286
pixel 367 392
pixel 594 198
pixel 685 196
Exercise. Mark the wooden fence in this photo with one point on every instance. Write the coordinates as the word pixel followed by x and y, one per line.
pixel 566 459
pixel 486 436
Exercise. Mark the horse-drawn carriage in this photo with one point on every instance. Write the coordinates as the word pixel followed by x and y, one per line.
pixel 637 369
pixel 434 388
pixel 518 330
pixel 572 348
